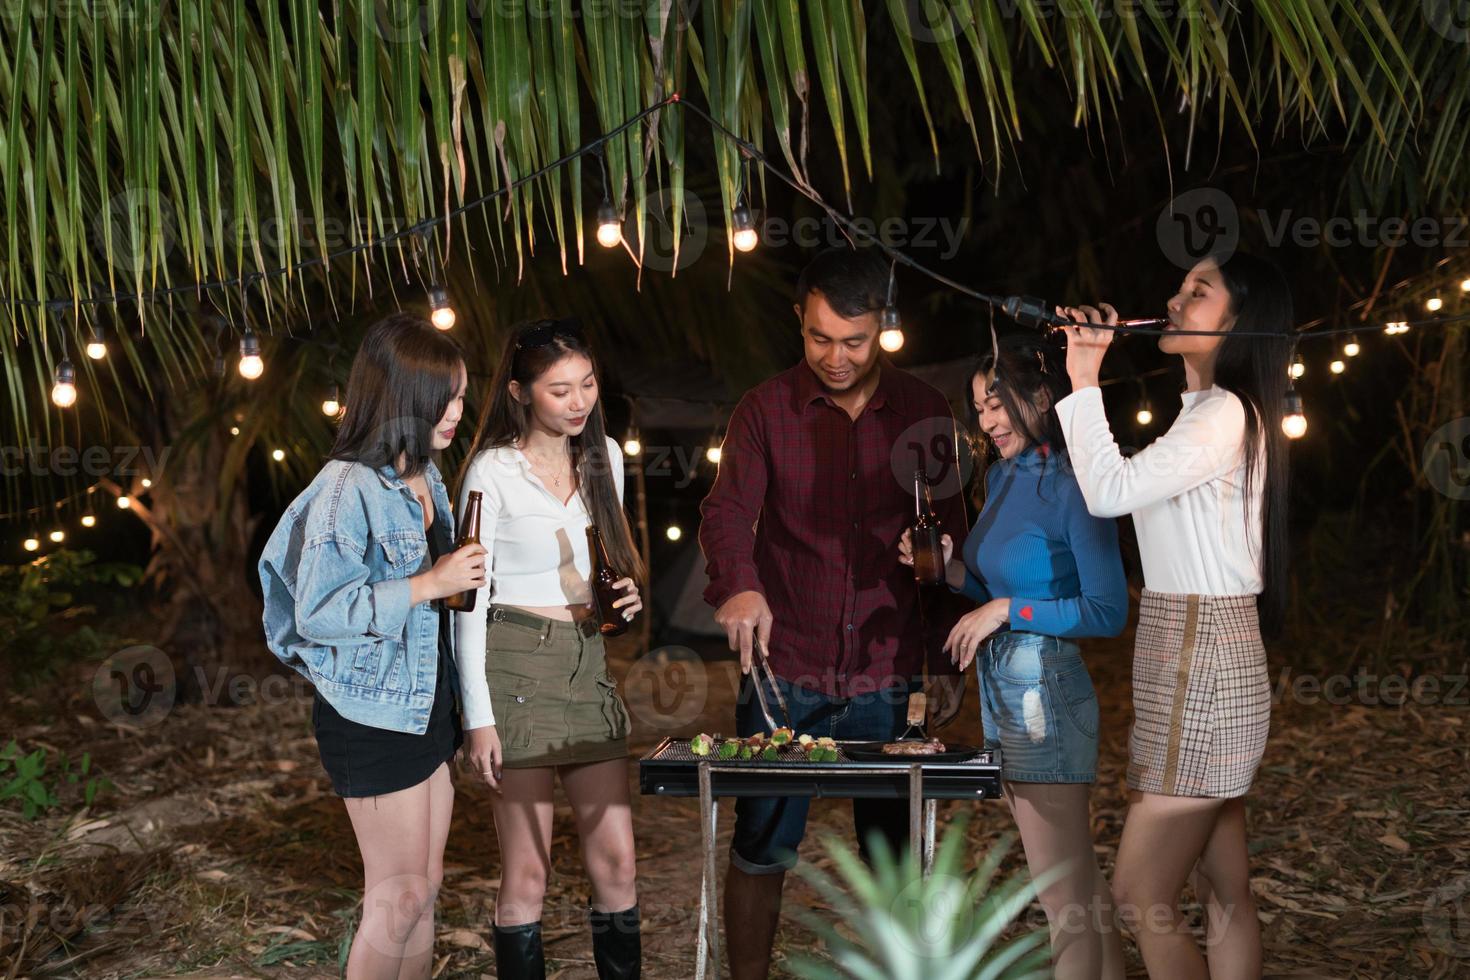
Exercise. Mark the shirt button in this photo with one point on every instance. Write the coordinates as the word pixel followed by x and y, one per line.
pixel 853 475
pixel 849 627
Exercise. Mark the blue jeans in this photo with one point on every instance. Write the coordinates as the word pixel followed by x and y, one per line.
pixel 768 830
pixel 1038 707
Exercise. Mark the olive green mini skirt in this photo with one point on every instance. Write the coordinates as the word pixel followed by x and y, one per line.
pixel 555 702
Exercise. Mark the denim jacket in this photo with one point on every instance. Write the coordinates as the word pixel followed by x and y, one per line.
pixel 335 579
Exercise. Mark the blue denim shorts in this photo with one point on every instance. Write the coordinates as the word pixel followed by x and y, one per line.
pixel 1038 707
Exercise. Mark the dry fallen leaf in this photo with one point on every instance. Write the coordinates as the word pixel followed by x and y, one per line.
pixel 467 938
pixel 1394 841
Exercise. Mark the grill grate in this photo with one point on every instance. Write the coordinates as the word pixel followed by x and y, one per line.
pixel 678 750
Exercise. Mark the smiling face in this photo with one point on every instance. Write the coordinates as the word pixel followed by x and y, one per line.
pixel 995 421
pixel 840 352
pixel 562 398
pixel 453 412
pixel 1202 303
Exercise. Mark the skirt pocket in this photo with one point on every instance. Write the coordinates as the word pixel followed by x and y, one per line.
pixel 513 699
pixel 614 711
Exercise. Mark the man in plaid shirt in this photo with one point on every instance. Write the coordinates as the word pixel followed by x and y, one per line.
pixel 800 534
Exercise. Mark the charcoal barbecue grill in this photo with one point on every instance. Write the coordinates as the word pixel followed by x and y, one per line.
pixel 672 769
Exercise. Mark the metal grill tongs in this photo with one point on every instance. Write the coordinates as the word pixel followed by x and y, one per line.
pixel 763 673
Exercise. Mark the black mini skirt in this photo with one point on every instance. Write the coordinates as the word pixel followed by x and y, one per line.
pixel 366 761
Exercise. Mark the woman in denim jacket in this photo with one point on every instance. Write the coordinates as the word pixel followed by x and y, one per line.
pixel 349 575
pixel 1045 571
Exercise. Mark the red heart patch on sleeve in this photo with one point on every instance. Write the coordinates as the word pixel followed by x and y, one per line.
pixel 1026 613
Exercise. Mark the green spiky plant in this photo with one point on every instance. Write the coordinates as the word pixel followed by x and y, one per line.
pixel 904 925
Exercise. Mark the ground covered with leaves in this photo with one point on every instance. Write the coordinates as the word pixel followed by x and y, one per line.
pixel 217 848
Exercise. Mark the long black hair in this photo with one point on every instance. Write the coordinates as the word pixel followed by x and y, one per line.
pixel 531 350
pixel 1023 370
pixel 402 380
pixel 1254 369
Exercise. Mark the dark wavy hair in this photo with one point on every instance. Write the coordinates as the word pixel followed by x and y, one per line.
pixel 504 421
pixel 1255 369
pixel 402 380
pixel 1022 369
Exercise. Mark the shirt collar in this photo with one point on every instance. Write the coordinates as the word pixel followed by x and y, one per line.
pixel 889 393
pixel 388 474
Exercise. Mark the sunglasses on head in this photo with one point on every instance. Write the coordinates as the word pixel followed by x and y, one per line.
pixel 540 333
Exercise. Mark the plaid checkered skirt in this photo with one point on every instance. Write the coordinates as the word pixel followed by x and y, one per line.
pixel 1201 697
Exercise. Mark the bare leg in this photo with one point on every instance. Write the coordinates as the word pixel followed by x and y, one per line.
pixel 393 835
pixel 598 793
pixel 1222 880
pixel 418 959
pixel 1057 834
pixel 1163 837
pixel 523 825
pixel 752 910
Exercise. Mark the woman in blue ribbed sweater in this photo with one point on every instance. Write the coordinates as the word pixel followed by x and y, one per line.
pixel 1044 572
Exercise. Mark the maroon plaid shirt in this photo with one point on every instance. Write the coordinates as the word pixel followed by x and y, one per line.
pixel 808 508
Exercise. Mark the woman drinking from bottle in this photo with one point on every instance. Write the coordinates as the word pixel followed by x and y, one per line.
pixel 349 575
pixel 1045 572
pixel 1208 500
pixel 539 700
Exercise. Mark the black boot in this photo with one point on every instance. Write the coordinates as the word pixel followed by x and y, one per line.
pixel 617 944
pixel 518 953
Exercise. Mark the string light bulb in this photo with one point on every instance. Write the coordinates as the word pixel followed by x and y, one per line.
pixel 673 532
pixel 1465 285
pixel 1298 368
pixel 1396 328
pixel 713 454
pixel 1337 367
pixel 124 502
pixel 89 520
pixel 64 392
pixel 147 483
pixel 746 237
pixel 441 314
pixel 97 347
pixel 609 225
pixel 234 430
pixel 1352 348
pixel 278 455
pixel 252 365
pixel 632 445
pixel 331 405
pixel 1434 304
pixel 1294 421
pixel 58 536
pixel 891 339
pixel 1145 415
pixel 33 543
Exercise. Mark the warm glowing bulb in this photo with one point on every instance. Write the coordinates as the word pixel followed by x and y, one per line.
pixel 1465 285
pixel 278 454
pixel 713 454
pixel 1434 304
pixel 64 394
pixel 58 536
pixel 96 350
pixel 674 532
pixel 746 237
pixel 331 407
pixel 147 483
pixel 1295 426
pixel 251 367
pixel 1337 367
pixel 1298 369
pixel 124 502
pixel 632 447
pixel 609 226
pixel 33 544
pixel 88 520
pixel 443 318
pixel 1352 348
pixel 891 340
pixel 1145 416
pixel 234 430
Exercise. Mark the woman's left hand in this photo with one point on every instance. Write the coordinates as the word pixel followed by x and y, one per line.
pixel 630 603
pixel 1087 345
pixel 972 629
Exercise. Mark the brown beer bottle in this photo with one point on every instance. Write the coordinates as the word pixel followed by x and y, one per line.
pixel 611 621
pixel 928 550
pixel 469 533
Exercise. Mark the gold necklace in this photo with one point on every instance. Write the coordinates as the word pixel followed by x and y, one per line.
pixel 555 477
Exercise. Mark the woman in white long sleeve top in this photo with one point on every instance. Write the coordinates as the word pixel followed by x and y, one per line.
pixel 539 702
pixel 1208 501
